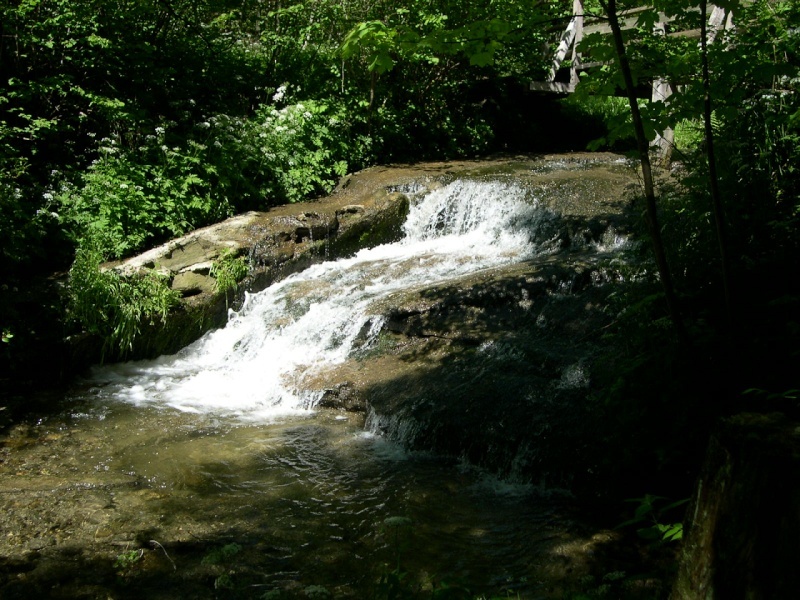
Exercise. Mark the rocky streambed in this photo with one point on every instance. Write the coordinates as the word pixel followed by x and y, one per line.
pixel 587 191
pixel 446 446
pixel 493 367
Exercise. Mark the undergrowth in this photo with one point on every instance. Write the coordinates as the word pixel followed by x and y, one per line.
pixel 115 306
pixel 228 270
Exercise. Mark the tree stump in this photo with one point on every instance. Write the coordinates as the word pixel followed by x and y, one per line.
pixel 742 537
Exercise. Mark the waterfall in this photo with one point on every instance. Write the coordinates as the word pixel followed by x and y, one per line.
pixel 254 367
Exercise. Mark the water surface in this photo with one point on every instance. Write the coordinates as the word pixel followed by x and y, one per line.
pixel 213 473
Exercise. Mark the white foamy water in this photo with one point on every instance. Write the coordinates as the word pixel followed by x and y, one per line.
pixel 254 367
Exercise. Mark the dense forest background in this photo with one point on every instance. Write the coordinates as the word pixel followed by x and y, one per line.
pixel 127 123
pixel 124 123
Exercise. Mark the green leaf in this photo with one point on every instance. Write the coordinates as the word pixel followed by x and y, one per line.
pixel 671 533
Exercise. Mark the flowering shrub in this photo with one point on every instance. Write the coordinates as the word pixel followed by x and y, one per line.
pixel 126 203
pixel 128 200
pixel 283 154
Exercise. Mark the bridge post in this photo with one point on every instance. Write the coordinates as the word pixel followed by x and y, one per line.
pixel 577 15
pixel 661 91
pixel 570 39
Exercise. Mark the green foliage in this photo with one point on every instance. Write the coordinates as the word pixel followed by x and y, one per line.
pixel 128 203
pixel 379 42
pixel 754 96
pixel 228 270
pixel 284 154
pixel 221 555
pixel 392 586
pixel 649 517
pixel 112 305
pixel 317 592
pixel 29 225
pixel 133 199
pixel 432 77
pixel 219 558
pixel 128 559
pixel 688 137
pixel 606 118
pixel 131 124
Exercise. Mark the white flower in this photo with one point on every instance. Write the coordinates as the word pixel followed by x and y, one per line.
pixel 279 93
pixel 160 130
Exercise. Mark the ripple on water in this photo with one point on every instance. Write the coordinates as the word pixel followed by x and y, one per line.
pixel 316 488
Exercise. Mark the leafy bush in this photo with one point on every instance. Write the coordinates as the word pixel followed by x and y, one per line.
pixel 606 118
pixel 26 223
pixel 115 306
pixel 132 199
pixel 127 202
pixel 284 154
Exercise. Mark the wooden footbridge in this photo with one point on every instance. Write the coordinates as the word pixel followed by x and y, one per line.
pixel 564 80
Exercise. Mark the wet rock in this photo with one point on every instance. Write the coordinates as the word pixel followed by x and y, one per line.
pixel 274 244
pixel 191 284
pixel 494 368
pixel 366 210
pixel 343 396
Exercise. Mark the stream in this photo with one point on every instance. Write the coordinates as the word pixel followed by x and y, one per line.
pixel 214 473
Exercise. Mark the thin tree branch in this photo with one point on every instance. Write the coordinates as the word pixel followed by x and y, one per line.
pixel 716 199
pixel 610 7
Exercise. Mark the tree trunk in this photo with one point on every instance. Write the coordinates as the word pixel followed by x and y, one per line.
pixel 742 531
pixel 610 7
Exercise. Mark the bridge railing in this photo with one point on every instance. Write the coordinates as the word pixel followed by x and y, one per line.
pixel 581 25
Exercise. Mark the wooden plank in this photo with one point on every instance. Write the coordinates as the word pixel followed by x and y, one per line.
pixel 553 87
pixel 718 20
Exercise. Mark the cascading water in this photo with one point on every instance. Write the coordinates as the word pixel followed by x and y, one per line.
pixel 175 478
pixel 254 367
